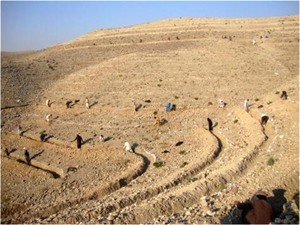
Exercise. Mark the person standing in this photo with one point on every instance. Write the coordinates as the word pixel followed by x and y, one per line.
pixel 48 117
pixel 283 95
pixel 210 124
pixel 168 106
pixel 19 130
pixel 27 156
pixel 48 103
pixel 79 141
pixel 43 136
pixel 87 103
pixel 6 151
pixel 246 105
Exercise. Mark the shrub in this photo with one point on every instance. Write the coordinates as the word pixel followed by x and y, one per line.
pixel 159 164
pixel 182 152
pixel 196 98
pixel 159 85
pixel 271 161
pixel 193 179
pixel 155 112
pixel 184 164
pixel 51 67
pixel 277 92
pixel 176 97
pixel 269 102
pixel 94 196
pixel 235 121
pixel 257 99
pixel 221 187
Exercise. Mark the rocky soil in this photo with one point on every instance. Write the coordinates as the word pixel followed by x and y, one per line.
pixel 180 172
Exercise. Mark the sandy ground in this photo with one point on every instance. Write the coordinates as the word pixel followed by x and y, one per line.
pixel 180 172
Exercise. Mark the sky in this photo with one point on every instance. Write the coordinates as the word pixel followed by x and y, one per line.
pixel 34 25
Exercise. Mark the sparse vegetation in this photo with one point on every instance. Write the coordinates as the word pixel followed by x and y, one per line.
pixel 113 77
pixel 182 152
pixel 164 145
pixel 193 179
pixel 271 161
pixel 155 138
pixel 159 164
pixel 94 196
pixel 184 164
pixel 221 187
pixel 145 139
pixel 51 67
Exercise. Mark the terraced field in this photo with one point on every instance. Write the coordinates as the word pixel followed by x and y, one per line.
pixel 180 172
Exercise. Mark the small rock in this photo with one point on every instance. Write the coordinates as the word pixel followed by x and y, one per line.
pixel 110 217
pixel 209 213
pixel 187 213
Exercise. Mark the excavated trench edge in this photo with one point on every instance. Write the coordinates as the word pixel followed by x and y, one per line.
pixel 209 186
pixel 147 194
pixel 167 206
pixel 125 180
pixel 151 192
pixel 111 187
pixel 54 171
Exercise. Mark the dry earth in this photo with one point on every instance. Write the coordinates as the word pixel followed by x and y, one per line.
pixel 188 62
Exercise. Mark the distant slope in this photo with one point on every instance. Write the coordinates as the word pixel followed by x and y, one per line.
pixel 277 40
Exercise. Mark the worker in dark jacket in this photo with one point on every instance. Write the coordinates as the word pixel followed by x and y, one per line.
pixel 210 124
pixel 283 95
pixel 79 141
pixel 26 154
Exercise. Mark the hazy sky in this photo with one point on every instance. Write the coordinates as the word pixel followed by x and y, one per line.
pixel 39 24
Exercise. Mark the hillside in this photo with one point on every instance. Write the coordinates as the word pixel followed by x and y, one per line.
pixel 192 63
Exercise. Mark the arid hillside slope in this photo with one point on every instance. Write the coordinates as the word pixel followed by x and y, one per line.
pixel 180 172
